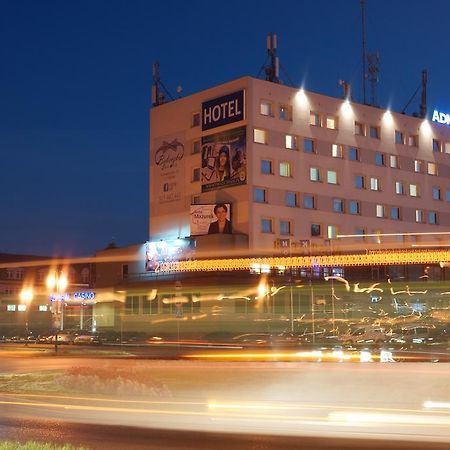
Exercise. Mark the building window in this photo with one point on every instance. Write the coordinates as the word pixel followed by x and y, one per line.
pixel 431 168
pixel 432 217
pixel 265 108
pixel 353 154
pixel 291 199
pixel 374 184
pixel 21 308
pixel 331 177
pixel 285 227
pixel 338 205
pixel 413 140
pixel 447 147
pixel 332 123
pixel 266 225
pixel 436 145
pixel 260 136
pixel 337 151
pixel 285 169
pixel 399 188
pixel 148 307
pixel 266 167
pixel 291 142
pixel 309 201
pixel 399 137
pixel 359 129
pixel 196 174
pixel 285 112
pixel 418 166
pixel 196 147
pixel 43 308
pixel 374 132
pixel 395 213
pixel 124 271
pixel 393 161
pixel 308 145
pixel 359 182
pixel 132 304
pixel 314 174
pixel 316 229
pixel 413 190
pixel 380 210
pixel 10 308
pixel 437 193
pixel 353 207
pixel 314 119
pixel 195 199
pixel 195 119
pixel 447 195
pixel 419 216
pixel 380 159
pixel 332 231
pixel 360 232
pixel 259 195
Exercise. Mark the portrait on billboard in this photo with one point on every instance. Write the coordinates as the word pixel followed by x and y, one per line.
pixel 224 159
pixel 211 219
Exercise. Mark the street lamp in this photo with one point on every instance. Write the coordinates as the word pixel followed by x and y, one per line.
pixel 26 296
pixel 57 282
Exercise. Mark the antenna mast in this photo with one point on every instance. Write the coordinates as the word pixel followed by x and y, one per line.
pixel 159 91
pixel 273 68
pixel 363 29
pixel 374 69
pixel 423 100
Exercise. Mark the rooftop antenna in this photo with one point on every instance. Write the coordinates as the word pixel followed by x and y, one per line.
pixel 374 69
pixel 346 90
pixel 159 91
pixel 272 64
pixel 363 29
pixel 423 101
pixel 273 68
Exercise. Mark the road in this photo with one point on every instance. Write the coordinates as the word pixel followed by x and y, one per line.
pixel 274 400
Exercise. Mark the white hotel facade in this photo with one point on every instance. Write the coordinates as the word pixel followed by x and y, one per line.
pixel 313 170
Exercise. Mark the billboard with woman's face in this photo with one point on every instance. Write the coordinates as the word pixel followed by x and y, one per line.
pixel 210 219
pixel 224 159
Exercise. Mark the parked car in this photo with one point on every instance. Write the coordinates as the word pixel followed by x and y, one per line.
pixel 364 335
pixel 87 339
pixel 62 338
pixel 258 339
pixel 416 334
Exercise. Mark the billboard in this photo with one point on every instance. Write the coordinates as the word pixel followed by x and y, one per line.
pixel 223 110
pixel 210 219
pixel 168 174
pixel 160 254
pixel 224 159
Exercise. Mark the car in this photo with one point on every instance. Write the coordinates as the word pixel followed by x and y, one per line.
pixel 258 339
pixel 415 334
pixel 62 338
pixel 364 335
pixel 87 339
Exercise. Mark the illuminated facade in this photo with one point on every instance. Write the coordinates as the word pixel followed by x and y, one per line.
pixel 296 169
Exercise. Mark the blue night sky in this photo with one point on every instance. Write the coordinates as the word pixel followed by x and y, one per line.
pixel 75 80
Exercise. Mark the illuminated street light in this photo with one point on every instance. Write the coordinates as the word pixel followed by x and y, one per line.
pixel 57 282
pixel 26 295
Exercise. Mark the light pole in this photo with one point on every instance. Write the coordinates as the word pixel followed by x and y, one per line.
pixel 57 283
pixel 26 296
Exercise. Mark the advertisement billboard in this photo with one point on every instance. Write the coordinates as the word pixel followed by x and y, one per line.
pixel 160 254
pixel 210 219
pixel 224 159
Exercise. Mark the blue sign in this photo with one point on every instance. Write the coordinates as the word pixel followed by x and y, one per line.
pixel 441 117
pixel 223 110
pixel 65 297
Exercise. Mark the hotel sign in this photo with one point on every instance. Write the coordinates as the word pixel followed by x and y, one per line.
pixel 223 110
pixel 441 117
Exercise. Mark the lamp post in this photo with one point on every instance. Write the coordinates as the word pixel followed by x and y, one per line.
pixel 26 297
pixel 57 283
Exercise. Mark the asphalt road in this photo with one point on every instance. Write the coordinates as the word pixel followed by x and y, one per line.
pixel 119 438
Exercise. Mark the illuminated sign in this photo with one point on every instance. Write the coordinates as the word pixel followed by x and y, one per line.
pixel 80 296
pixel 223 110
pixel 163 256
pixel 205 221
pixel 441 117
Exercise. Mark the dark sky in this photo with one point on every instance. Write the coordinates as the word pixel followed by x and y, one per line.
pixel 75 81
